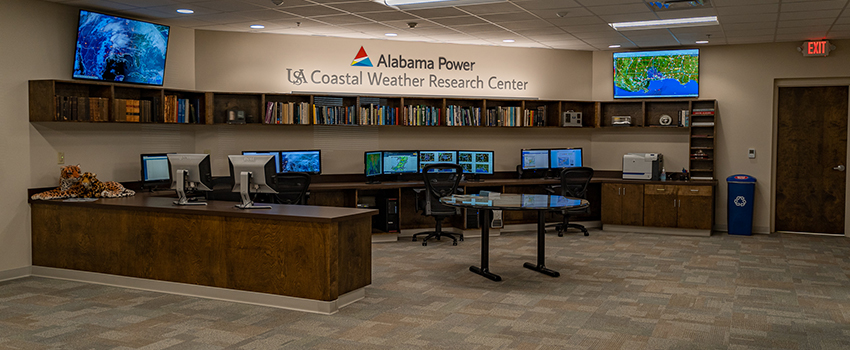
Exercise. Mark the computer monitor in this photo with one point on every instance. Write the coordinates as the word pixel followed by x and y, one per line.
pixel 400 162
pixel 434 157
pixel 276 155
pixel 534 159
pixel 155 170
pixel 252 174
pixel 565 158
pixel 476 163
pixel 189 172
pixel 301 162
pixel 372 166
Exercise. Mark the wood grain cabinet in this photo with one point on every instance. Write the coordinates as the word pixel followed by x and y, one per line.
pixel 622 204
pixel 681 206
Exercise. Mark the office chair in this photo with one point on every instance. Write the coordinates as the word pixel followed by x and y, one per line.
pixel 574 183
pixel 441 180
pixel 291 188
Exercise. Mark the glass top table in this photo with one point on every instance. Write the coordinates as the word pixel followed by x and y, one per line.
pixel 509 201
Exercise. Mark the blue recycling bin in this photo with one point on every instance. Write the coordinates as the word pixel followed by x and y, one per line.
pixel 739 209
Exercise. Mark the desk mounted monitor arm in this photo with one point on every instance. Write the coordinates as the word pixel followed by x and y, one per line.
pixel 247 203
pixel 181 182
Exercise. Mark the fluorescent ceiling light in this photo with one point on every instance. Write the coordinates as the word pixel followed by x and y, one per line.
pixel 508 40
pixel 185 11
pixel 428 4
pixel 613 46
pixel 702 42
pixel 666 23
pixel 391 34
pixel 257 26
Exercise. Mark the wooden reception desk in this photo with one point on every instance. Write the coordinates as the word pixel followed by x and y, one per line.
pixel 301 257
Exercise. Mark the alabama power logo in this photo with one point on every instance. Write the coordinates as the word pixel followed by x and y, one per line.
pixel 362 59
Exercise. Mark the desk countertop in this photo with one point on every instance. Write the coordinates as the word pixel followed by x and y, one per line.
pixel 147 202
pixel 335 186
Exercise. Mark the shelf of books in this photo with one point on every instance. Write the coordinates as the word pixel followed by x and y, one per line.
pixel 287 109
pixel 380 111
pixel 422 111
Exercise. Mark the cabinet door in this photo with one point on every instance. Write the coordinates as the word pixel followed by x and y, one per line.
pixel 632 204
pixel 696 207
pixel 659 207
pixel 611 204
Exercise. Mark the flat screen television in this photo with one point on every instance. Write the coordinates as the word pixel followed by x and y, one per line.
pixel 275 154
pixel 434 157
pixel 155 170
pixel 533 159
pixel 565 158
pixel 117 49
pixel 656 74
pixel 301 161
pixel 372 167
pixel 401 162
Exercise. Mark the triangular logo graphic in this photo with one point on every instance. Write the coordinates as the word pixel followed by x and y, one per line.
pixel 362 59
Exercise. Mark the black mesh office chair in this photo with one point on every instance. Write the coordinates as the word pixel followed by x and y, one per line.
pixel 291 188
pixel 574 183
pixel 441 180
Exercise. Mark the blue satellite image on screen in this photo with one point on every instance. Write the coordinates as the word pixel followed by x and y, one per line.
pixel 119 49
pixel 308 162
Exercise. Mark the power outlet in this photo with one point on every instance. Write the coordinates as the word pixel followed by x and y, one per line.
pixel 60 158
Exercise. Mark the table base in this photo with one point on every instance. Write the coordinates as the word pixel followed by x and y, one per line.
pixel 486 273
pixel 542 269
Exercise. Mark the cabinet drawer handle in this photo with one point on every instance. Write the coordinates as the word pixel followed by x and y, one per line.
pixel 660 189
pixel 694 190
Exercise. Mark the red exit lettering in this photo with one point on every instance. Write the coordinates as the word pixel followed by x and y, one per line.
pixel 817 47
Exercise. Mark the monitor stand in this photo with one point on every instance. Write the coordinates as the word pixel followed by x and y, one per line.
pixel 247 203
pixel 180 176
pixel 372 182
pixel 474 178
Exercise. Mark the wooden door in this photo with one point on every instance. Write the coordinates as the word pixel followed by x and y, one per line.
pixel 632 204
pixel 659 206
pixel 696 205
pixel 611 204
pixel 811 142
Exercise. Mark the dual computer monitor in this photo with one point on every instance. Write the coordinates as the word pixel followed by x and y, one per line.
pixel 294 161
pixel 411 162
pixel 546 159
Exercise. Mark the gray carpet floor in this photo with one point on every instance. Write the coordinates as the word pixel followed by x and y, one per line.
pixel 616 291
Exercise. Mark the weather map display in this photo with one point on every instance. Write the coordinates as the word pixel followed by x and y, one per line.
pixel 372 162
pixel 301 161
pixel 646 74
pixel 401 162
pixel 118 49
pixel 434 157
pixel 476 162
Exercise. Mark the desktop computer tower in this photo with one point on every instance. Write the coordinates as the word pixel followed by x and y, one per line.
pixel 472 219
pixel 387 219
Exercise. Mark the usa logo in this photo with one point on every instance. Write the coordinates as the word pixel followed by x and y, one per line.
pixel 362 59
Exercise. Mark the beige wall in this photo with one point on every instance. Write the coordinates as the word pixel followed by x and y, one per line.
pixel 742 78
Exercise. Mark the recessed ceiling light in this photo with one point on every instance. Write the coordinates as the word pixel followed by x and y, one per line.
pixel 508 40
pixel 257 26
pixel 666 23
pixel 391 34
pixel 702 41
pixel 185 11
pixel 613 46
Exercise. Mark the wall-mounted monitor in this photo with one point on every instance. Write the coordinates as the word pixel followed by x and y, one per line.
pixel 565 158
pixel 252 174
pixel 155 170
pixel 189 172
pixel 648 74
pixel 434 157
pixel 117 49
pixel 401 162
pixel 301 161
pixel 476 162
pixel 533 159
pixel 372 165
pixel 274 154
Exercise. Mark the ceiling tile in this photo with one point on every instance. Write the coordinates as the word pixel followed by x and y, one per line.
pixel 527 25
pixel 749 26
pixel 548 4
pixel 728 3
pixel 758 32
pixel 766 17
pixel 456 21
pixel 805 23
pixel 511 17
pixel 750 39
pixel 619 9
pixel 747 9
pixel 478 28
pixel 835 5
pixel 341 19
pixel 831 15
pixel 486 9
pixel 551 30
pixel 368 6
pixel 389 16
pixel 437 13
pixel 310 11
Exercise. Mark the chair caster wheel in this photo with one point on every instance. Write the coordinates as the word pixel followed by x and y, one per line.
pixel 461 239
pixel 560 234
pixel 414 239
pixel 454 243
pixel 424 243
pixel 586 234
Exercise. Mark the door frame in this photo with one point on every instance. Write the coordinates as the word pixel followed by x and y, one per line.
pixel 806 82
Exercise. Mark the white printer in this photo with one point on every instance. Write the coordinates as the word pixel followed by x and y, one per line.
pixel 642 166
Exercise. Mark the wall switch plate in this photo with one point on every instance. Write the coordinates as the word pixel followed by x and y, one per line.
pixel 751 153
pixel 60 158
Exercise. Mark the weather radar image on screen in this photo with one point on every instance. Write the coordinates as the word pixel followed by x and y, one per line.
pixel 118 49
pixel 645 74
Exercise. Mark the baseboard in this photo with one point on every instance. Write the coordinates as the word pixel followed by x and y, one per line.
pixel 13 274
pixel 658 230
pixel 384 237
pixel 192 290
pixel 756 229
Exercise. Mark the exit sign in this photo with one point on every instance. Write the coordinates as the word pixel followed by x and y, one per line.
pixel 817 48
